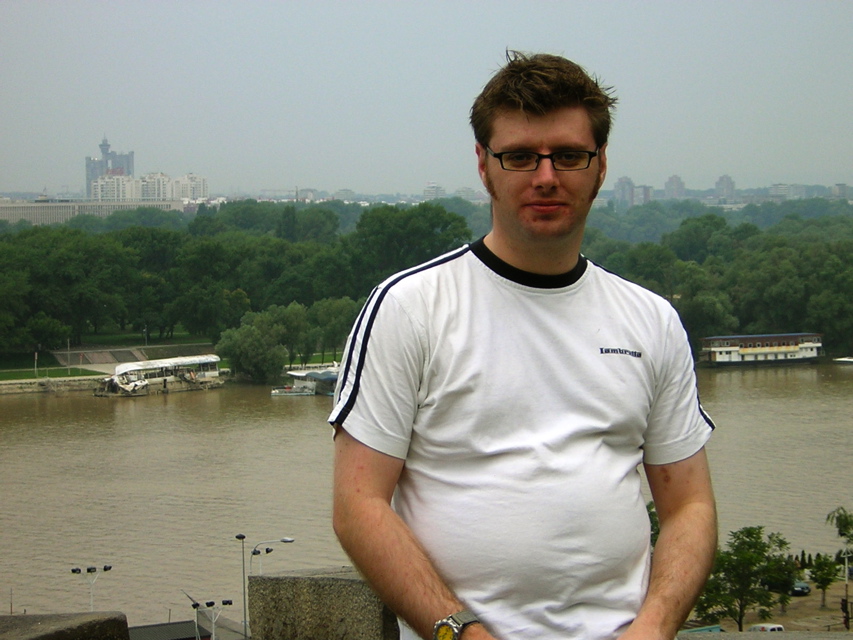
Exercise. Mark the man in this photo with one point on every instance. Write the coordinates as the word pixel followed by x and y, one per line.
pixel 502 397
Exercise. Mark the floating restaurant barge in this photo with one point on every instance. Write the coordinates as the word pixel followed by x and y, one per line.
pixel 769 348
pixel 169 375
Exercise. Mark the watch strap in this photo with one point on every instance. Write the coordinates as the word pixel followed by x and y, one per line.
pixel 464 618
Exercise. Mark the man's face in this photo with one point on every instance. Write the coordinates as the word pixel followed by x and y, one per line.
pixel 542 204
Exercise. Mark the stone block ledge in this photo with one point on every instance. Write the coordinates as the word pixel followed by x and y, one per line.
pixel 111 625
pixel 328 604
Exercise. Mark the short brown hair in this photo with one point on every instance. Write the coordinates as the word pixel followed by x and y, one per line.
pixel 539 84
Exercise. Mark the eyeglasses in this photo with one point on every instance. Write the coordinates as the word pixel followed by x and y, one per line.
pixel 529 160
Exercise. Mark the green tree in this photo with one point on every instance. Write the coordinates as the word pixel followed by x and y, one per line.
pixel 294 320
pixel 333 317
pixel 781 572
pixel 824 573
pixel 251 353
pixel 842 520
pixel 388 239
pixel 690 240
pixel 45 332
pixel 738 583
pixel 14 308
pixel 78 279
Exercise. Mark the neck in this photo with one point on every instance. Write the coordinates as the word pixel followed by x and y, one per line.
pixel 547 256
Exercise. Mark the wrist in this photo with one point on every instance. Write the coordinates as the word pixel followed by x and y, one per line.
pixel 453 626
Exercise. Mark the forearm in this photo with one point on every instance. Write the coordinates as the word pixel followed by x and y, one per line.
pixel 684 553
pixel 386 553
pixel 682 560
pixel 383 547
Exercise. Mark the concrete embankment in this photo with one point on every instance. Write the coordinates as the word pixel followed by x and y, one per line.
pixel 50 385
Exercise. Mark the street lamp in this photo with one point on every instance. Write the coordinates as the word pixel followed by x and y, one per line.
pixel 257 552
pixel 211 610
pixel 91 576
pixel 242 540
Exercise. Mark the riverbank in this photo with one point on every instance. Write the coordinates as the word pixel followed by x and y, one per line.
pixel 102 361
pixel 803 613
pixel 51 385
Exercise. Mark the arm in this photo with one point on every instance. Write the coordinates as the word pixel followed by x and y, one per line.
pixel 684 553
pixel 380 544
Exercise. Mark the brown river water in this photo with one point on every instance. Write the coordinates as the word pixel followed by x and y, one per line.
pixel 158 487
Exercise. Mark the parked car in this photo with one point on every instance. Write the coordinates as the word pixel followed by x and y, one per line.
pixel 801 589
pixel 767 627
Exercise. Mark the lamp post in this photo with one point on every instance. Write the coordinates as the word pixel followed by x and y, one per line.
pixel 242 540
pixel 91 576
pixel 212 611
pixel 257 552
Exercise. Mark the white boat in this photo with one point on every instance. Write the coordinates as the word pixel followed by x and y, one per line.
pixel 301 388
pixel 844 360
pixel 770 348
pixel 147 377
pixel 323 379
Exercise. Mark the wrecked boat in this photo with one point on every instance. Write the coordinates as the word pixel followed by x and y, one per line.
pixel 167 375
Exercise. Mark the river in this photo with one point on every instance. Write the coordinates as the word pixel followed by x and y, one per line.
pixel 158 487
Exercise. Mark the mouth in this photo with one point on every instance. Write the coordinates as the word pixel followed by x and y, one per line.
pixel 545 206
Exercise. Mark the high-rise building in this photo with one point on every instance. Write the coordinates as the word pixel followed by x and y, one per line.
pixel 151 187
pixel 623 193
pixel 109 164
pixel 643 194
pixel 674 188
pixel 156 186
pixel 193 187
pixel 433 191
pixel 725 189
pixel 115 188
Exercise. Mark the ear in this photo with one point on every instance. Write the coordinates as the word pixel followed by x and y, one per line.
pixel 482 157
pixel 602 163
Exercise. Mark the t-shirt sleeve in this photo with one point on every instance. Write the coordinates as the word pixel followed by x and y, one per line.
pixel 678 426
pixel 376 398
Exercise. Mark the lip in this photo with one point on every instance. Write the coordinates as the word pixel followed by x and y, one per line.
pixel 545 205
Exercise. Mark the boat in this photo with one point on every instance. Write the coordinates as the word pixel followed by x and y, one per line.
pixel 166 375
pixel 323 379
pixel 766 348
pixel 844 360
pixel 302 388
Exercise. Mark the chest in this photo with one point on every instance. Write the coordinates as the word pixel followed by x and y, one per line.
pixel 537 369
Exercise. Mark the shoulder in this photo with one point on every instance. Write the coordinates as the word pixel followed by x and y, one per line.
pixel 625 291
pixel 417 281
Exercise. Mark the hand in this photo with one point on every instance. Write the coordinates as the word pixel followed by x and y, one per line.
pixel 476 632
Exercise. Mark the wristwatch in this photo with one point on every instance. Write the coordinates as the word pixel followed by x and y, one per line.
pixel 451 627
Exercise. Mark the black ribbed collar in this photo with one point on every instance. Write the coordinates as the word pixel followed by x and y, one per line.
pixel 527 278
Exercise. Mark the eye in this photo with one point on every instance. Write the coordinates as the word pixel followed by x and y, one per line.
pixel 570 157
pixel 519 158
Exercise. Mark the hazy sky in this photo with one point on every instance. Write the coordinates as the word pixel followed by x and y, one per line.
pixel 374 96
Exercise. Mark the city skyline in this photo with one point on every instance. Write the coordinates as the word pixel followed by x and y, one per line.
pixel 374 97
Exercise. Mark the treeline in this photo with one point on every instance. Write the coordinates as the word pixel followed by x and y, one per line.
pixel 767 268
pixel 153 270
pixel 727 275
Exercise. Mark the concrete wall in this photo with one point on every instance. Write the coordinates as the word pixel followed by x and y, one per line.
pixel 65 626
pixel 333 604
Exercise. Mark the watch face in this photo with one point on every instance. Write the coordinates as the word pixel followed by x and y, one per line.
pixel 444 632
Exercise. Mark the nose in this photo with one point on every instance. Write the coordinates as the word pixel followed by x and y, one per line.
pixel 545 175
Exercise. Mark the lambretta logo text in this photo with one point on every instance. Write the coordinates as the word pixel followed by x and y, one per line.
pixel 621 352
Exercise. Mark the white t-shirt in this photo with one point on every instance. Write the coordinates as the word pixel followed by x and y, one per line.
pixel 523 406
